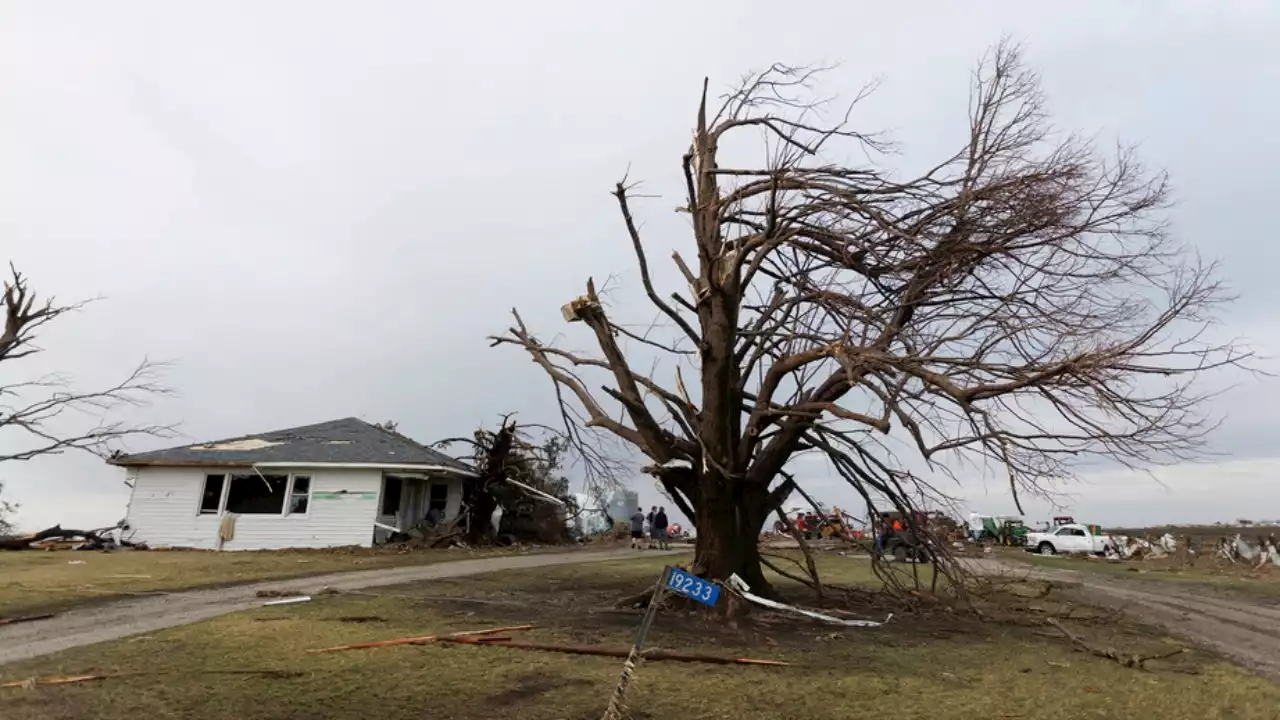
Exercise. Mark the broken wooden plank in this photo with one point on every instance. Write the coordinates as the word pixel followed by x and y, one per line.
pixel 417 640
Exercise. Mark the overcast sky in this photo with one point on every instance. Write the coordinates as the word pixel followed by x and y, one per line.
pixel 320 209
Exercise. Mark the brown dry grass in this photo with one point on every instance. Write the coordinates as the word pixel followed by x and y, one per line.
pixel 931 666
pixel 44 581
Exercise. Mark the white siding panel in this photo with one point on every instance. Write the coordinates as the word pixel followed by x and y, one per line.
pixel 164 512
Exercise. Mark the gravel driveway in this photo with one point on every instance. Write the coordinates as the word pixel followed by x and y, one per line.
pixel 1248 633
pixel 123 618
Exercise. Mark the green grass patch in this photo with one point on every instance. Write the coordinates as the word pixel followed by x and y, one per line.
pixel 916 667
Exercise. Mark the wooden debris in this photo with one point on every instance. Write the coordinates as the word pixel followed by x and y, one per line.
pixel 418 640
pixel 609 652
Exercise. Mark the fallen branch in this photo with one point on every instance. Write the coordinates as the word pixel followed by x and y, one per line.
pixel 611 652
pixel 764 560
pixel 72 679
pixel 417 640
pixel 1130 661
pixel 25 618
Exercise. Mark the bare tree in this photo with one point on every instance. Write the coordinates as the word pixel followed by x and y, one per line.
pixel 1018 303
pixel 51 415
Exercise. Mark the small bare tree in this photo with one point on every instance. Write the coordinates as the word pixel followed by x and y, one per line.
pixel 1018 303
pixel 46 411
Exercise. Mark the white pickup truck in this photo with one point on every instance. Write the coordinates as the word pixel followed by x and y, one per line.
pixel 1067 539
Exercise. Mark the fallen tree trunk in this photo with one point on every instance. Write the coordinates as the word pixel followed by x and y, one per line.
pixel 23 542
pixel 57 532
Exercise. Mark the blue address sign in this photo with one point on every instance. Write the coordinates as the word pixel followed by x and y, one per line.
pixel 692 586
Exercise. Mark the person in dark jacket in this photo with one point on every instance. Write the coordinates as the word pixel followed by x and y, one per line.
pixel 660 528
pixel 637 528
pixel 648 522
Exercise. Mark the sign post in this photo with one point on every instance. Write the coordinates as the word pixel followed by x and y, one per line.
pixel 679 582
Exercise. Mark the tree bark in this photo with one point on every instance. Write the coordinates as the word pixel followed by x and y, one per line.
pixel 729 520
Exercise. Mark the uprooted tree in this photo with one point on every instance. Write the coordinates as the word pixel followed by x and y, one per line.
pixel 40 413
pixel 1019 304
pixel 520 469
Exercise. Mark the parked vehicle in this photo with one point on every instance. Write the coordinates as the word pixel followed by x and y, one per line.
pixel 894 537
pixel 1068 539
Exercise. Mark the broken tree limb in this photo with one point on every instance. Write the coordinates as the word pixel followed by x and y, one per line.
pixel 1130 661
pixel 25 618
pixel 23 542
pixel 613 652
pixel 418 640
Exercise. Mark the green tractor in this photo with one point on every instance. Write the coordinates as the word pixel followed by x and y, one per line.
pixel 1008 531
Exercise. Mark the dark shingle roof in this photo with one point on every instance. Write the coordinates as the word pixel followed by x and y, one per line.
pixel 349 440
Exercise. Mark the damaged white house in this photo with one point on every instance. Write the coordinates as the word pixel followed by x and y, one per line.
pixel 345 482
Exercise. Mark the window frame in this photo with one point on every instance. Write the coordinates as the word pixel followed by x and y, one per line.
pixel 288 495
pixel 227 474
pixel 222 495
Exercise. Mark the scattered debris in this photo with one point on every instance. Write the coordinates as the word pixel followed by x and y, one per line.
pixel 609 652
pixel 423 639
pixel 288 601
pixel 25 618
pixel 361 619
pixel 739 585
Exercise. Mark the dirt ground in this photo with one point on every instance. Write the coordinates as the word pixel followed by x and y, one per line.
pixel 110 621
pixel 1245 628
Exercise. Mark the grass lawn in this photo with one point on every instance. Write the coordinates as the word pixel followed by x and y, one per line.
pixel 1239 579
pixel 33 581
pixel 931 666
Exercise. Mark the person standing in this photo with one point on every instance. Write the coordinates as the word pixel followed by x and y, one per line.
pixel 660 528
pixel 637 528
pixel 648 520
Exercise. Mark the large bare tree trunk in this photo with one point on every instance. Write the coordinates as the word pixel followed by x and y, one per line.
pixel 728 521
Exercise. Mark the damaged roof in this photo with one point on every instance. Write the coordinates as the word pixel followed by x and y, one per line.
pixel 349 440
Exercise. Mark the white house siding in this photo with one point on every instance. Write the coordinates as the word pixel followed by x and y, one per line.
pixel 164 510
pixel 413 502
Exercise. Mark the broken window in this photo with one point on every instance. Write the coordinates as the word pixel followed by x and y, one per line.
pixel 439 498
pixel 212 496
pixel 300 495
pixel 257 494
pixel 391 488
